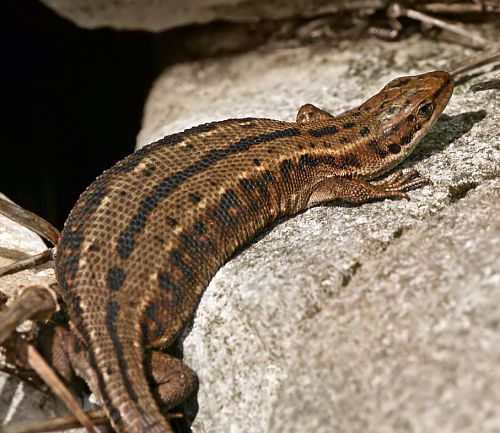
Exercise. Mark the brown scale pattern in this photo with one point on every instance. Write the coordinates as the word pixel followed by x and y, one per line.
pixel 146 237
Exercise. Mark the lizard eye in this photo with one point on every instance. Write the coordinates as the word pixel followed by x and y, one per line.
pixel 425 110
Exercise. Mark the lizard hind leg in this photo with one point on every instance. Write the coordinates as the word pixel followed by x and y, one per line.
pixel 171 379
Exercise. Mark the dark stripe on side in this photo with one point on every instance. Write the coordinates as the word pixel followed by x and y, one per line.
pixel 101 386
pixel 112 311
pixel 326 130
pixel 286 168
pixel 350 160
pixel 126 240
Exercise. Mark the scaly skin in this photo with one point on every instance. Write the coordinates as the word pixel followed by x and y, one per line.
pixel 143 241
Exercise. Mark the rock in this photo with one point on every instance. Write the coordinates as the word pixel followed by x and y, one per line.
pixel 377 318
pixel 157 16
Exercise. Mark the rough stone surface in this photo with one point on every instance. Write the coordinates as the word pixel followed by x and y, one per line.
pixel 154 15
pixel 380 318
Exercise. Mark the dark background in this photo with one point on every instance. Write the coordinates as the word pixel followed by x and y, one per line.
pixel 72 105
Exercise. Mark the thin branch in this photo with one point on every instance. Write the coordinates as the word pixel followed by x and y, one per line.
pixel 491 55
pixel 98 417
pixel 54 424
pixel 30 262
pixel 396 10
pixel 32 300
pixel 486 85
pixel 39 364
pixel 29 220
pixel 482 7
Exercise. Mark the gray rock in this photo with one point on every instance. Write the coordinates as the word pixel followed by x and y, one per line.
pixel 381 317
pixel 156 16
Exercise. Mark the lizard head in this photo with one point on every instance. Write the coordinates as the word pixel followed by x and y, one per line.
pixel 408 106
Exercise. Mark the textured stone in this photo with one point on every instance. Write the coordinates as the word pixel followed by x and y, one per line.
pixel 377 318
pixel 154 15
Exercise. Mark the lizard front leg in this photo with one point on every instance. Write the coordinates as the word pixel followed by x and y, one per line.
pixel 309 113
pixel 360 191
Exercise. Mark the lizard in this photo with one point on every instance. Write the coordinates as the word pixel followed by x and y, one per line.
pixel 145 238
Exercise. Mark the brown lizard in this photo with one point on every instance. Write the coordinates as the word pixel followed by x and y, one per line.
pixel 145 238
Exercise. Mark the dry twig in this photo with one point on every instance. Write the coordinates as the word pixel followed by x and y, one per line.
pixel 396 10
pixel 29 220
pixel 32 301
pixel 39 364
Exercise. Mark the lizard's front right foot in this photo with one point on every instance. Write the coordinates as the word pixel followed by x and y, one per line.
pixel 400 182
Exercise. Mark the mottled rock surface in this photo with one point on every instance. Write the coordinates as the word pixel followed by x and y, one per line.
pixel 379 318
pixel 155 16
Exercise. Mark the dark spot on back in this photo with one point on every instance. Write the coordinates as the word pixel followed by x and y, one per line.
pixel 194 197
pixel 199 227
pixel 247 184
pixel 364 131
pixel 256 162
pixel 394 148
pixel 350 160
pixel 116 277
pixel 308 160
pixel 168 286
pixel 172 222
pixel 126 244
pixel 178 260
pixel 326 130
pixel 349 125
pixel 268 176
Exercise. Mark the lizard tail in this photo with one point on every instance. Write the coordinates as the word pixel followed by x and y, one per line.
pixel 121 378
